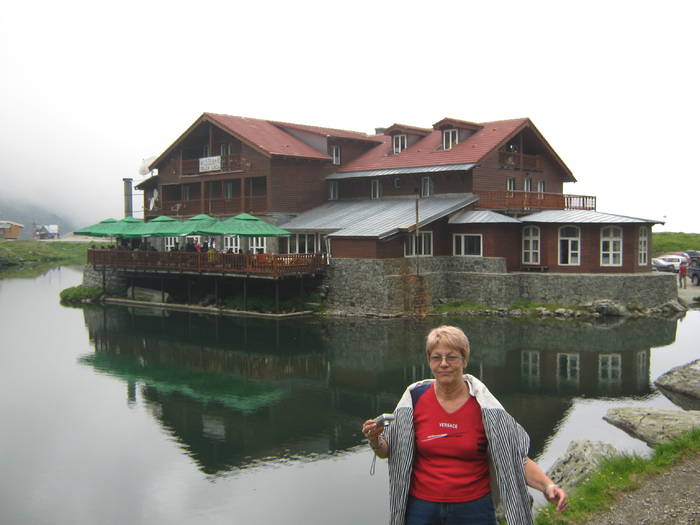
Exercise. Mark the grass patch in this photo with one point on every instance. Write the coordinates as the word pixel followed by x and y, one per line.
pixel 664 242
pixel 457 307
pixel 23 258
pixel 77 295
pixel 616 475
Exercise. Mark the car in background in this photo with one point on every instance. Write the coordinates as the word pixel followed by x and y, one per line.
pixel 674 259
pixel 659 265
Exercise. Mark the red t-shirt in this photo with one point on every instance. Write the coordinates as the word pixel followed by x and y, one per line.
pixel 450 463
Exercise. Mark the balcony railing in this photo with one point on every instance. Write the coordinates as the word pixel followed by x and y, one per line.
pixel 525 200
pixel 518 161
pixel 263 264
pixel 212 164
pixel 220 206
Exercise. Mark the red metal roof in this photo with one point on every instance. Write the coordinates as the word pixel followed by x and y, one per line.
pixel 328 132
pixel 428 151
pixel 265 136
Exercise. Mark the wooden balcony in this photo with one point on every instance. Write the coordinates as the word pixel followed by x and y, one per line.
pixel 224 163
pixel 519 161
pixel 525 200
pixel 256 265
pixel 232 206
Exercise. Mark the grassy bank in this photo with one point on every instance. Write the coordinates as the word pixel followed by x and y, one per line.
pixel 665 242
pixel 30 258
pixel 619 474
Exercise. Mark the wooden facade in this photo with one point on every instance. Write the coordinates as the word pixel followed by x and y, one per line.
pixel 10 230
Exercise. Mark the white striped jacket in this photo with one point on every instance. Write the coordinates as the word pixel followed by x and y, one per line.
pixel 508 446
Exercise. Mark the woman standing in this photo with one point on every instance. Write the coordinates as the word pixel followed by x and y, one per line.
pixel 452 447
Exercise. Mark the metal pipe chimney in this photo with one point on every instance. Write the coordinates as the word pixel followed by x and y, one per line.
pixel 128 202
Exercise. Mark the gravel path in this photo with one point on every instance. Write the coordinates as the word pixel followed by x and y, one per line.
pixel 670 498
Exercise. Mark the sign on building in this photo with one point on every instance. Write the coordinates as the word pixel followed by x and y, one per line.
pixel 209 164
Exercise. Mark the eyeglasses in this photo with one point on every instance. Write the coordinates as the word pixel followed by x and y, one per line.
pixel 451 359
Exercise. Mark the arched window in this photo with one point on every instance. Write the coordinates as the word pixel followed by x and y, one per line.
pixel 569 246
pixel 531 245
pixel 643 257
pixel 611 246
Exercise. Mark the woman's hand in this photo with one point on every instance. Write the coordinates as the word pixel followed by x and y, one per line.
pixel 371 431
pixel 557 496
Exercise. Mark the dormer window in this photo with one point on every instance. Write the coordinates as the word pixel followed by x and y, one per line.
pixel 335 154
pixel 450 138
pixel 399 143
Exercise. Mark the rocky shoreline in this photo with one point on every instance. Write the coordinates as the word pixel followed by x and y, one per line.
pixel 677 498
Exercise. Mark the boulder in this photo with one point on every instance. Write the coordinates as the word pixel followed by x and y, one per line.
pixel 608 308
pixel 682 385
pixel 653 425
pixel 578 462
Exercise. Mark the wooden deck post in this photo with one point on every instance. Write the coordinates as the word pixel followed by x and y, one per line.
pixel 245 292
pixel 277 296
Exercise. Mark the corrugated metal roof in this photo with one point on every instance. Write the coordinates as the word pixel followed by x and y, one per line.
pixel 400 171
pixel 376 218
pixel 582 216
pixel 481 217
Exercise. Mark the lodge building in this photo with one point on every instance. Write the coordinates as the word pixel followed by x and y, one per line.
pixel 456 189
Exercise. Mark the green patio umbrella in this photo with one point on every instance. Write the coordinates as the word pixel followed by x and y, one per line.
pixel 244 225
pixel 98 229
pixel 195 225
pixel 162 226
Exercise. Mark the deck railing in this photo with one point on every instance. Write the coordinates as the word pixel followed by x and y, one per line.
pixel 526 200
pixel 213 206
pixel 246 263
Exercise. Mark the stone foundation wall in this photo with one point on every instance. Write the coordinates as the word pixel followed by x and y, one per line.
pixel 391 286
pixel 113 279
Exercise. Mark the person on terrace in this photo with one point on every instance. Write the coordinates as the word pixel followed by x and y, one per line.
pixel 452 448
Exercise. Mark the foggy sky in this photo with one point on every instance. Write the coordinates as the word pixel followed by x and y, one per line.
pixel 88 91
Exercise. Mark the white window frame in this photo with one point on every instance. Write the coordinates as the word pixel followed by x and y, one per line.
pixel 258 244
pixel 530 367
pixel 510 184
pixel 335 154
pixel 540 186
pixel 450 138
pixel 527 184
pixel 375 189
pixel 228 185
pixel 170 243
pixel 426 186
pixel 400 143
pixel 459 244
pixel 232 242
pixel 610 369
pixel 570 373
pixel 308 240
pixel 570 241
pixel 333 190
pixel 225 149
pixel 531 245
pixel 610 246
pixel 426 241
pixel 643 246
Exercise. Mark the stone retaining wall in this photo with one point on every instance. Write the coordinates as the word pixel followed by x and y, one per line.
pixel 113 279
pixel 390 286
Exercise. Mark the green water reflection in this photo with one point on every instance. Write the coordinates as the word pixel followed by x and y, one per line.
pixel 234 392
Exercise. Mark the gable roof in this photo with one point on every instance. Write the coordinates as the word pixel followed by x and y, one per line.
pixel 411 130
pixel 378 218
pixel 428 150
pixel 329 132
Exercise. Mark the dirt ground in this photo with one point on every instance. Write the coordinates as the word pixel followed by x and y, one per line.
pixel 687 294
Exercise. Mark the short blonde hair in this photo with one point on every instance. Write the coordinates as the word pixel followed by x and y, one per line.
pixel 451 337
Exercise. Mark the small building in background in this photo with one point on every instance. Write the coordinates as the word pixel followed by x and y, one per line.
pixel 10 230
pixel 46 231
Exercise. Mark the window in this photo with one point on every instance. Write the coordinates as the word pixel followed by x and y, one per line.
pixel 567 369
pixel 302 243
pixel 421 245
pixel 170 243
pixel 335 154
pixel 527 184
pixel 540 186
pixel 510 184
pixel 258 245
pixel 426 186
pixel 233 243
pixel 611 246
pixel 229 190
pixel 609 369
pixel 450 137
pixel 225 149
pixel 467 244
pixel 333 190
pixel 399 143
pixel 569 246
pixel 530 368
pixel 185 193
pixel 376 189
pixel 205 150
pixel 531 245
pixel 397 182
pixel 643 258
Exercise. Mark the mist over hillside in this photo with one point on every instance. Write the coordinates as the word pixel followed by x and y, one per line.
pixel 27 213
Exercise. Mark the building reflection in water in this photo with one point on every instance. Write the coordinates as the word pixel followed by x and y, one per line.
pixel 235 392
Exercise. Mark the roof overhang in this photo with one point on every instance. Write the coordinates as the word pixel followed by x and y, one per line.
pixel 582 217
pixel 400 171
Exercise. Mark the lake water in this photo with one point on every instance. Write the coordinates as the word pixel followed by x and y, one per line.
pixel 115 415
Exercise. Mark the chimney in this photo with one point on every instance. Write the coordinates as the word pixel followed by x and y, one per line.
pixel 128 205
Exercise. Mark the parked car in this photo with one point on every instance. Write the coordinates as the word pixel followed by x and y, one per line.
pixel 674 259
pixel 660 265
pixel 694 273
